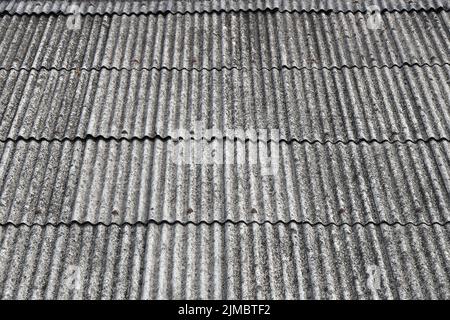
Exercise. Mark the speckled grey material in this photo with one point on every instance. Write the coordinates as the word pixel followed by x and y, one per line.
pixel 354 203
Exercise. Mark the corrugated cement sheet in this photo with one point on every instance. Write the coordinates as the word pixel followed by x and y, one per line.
pixel 227 40
pixel 398 104
pixel 190 6
pixel 151 180
pixel 354 202
pixel 225 262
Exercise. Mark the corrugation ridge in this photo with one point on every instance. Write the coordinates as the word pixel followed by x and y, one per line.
pixel 222 223
pixel 218 11
pixel 169 138
pixel 283 67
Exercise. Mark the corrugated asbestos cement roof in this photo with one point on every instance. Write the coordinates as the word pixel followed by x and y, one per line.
pixel 134 150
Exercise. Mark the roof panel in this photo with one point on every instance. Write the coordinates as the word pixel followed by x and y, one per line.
pixel 185 6
pixel 224 262
pixel 228 40
pixel 305 105
pixel 199 181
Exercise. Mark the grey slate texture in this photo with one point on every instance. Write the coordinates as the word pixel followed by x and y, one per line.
pixel 92 204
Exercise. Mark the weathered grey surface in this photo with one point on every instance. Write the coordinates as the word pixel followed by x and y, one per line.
pixel 190 6
pixel 109 181
pixel 225 261
pixel 227 40
pixel 106 213
pixel 398 104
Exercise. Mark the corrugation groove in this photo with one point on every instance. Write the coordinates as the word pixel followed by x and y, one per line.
pixel 65 7
pixel 224 261
pixel 314 106
pixel 119 182
pixel 227 40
